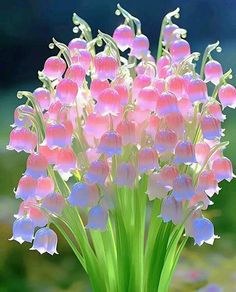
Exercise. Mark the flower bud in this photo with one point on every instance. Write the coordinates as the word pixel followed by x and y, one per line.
pixel 22 121
pixel 123 36
pixel 179 50
pixel 43 97
pixel 54 67
pixel 140 46
pixel 227 96
pixel 213 71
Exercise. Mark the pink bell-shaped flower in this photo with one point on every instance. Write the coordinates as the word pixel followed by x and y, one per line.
pixel 176 85
pixel 45 241
pixel 197 90
pixel 186 108
pixel 65 162
pixel 36 165
pixel 214 109
pixel 48 153
pixel 168 34
pixel 166 104
pixel 54 203
pixel 123 36
pixel 165 141
pixel 227 96
pixel 23 230
pixel 127 130
pixel 54 67
pixel 97 218
pixel 163 65
pixel 123 93
pixel 97 172
pixel 45 186
pixel 183 188
pixel 139 83
pixel 110 144
pixel 67 91
pixel 147 98
pixel 22 139
pixel 184 152
pixel 31 208
pixel 147 159
pixel 83 58
pixel 108 103
pixel 83 195
pixel 153 124
pixel 53 111
pixel 77 44
pixel 200 197
pixel 97 86
pixel 211 127
pixel 106 67
pixel 95 126
pixel 202 151
pixel 140 46
pixel 76 73
pixel 20 121
pixel 179 50
pixel 26 187
pixel 57 136
pixel 159 84
pixel 175 122
pixel 43 97
pixel 222 168
pixel 213 71
pixel 168 174
pixel 207 183
pixel 172 210
pixel 125 175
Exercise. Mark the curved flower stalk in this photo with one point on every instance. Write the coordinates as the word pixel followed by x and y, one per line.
pixel 125 152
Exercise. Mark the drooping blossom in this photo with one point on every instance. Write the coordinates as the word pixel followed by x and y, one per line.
pixel 45 241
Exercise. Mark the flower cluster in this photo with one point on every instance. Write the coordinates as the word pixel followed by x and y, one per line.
pixel 109 113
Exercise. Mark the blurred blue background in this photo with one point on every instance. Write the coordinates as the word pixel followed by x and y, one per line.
pixel 26 29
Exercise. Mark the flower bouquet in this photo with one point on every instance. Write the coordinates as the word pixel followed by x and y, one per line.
pixel 125 152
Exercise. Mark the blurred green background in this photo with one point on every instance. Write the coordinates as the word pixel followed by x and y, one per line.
pixel 26 30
